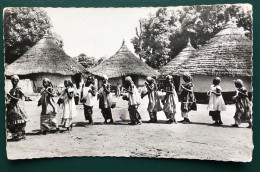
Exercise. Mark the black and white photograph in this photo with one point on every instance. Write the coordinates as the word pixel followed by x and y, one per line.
pixel 147 82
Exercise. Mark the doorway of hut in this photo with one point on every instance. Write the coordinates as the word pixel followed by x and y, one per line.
pixel 77 79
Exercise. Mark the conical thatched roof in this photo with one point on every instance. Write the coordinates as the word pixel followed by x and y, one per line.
pixel 44 57
pixel 228 53
pixel 179 59
pixel 123 63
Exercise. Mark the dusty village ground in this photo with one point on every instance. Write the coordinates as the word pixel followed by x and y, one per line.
pixel 199 140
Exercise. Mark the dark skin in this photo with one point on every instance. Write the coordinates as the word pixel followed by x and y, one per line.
pixel 70 94
pixel 14 83
pixel 149 86
pixel 218 92
pixel 47 88
pixel 105 86
pixel 88 83
pixel 238 86
pixel 187 81
pixel 128 83
pixel 168 82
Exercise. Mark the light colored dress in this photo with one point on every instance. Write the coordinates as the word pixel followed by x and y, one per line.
pixel 216 103
pixel 69 108
pixel 86 95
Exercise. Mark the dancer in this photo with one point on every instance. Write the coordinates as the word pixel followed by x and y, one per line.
pixel 48 115
pixel 188 100
pixel 88 94
pixel 118 89
pixel 154 102
pixel 216 101
pixel 243 105
pixel 16 117
pixel 69 107
pixel 105 100
pixel 169 101
pixel 134 100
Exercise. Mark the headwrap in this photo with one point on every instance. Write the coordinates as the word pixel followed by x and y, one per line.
pixel 49 84
pixel 69 82
pixel 15 77
pixel 169 77
pixel 239 82
pixel 46 80
pixel 217 79
pixel 105 77
pixel 188 76
pixel 128 78
pixel 90 79
pixel 150 79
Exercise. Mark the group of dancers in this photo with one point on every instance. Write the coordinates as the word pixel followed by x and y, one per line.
pixel 16 117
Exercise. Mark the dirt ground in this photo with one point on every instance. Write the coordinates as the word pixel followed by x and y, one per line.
pixel 199 140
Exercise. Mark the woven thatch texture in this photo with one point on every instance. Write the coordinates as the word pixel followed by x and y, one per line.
pixel 45 57
pixel 229 53
pixel 178 60
pixel 123 63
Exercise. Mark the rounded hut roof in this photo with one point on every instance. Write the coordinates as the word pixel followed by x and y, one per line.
pixel 44 57
pixel 123 63
pixel 228 53
pixel 170 67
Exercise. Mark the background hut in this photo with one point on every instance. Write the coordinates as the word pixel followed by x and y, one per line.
pixel 173 65
pixel 44 60
pixel 227 55
pixel 124 63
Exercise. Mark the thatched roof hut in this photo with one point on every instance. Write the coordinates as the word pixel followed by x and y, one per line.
pixel 170 67
pixel 122 64
pixel 46 60
pixel 228 53
pixel 44 57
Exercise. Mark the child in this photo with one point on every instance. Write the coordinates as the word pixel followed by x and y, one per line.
pixel 88 94
pixel 16 117
pixel 68 106
pixel 118 89
pixel 188 100
pixel 243 105
pixel 216 101
pixel 169 103
pixel 48 114
pixel 105 100
pixel 154 103
pixel 134 100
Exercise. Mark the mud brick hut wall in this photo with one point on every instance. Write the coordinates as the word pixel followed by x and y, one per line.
pixel 227 55
pixel 44 60
pixel 123 63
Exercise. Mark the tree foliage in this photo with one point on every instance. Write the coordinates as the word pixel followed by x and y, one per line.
pixel 89 62
pixel 23 27
pixel 162 35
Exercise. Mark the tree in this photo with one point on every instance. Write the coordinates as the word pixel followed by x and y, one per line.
pixel 161 36
pixel 86 61
pixel 101 59
pixel 23 27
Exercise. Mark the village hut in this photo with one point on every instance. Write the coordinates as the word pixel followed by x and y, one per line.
pixel 174 64
pixel 227 55
pixel 123 63
pixel 44 60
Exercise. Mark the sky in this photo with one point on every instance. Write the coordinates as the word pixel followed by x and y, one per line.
pixel 96 32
